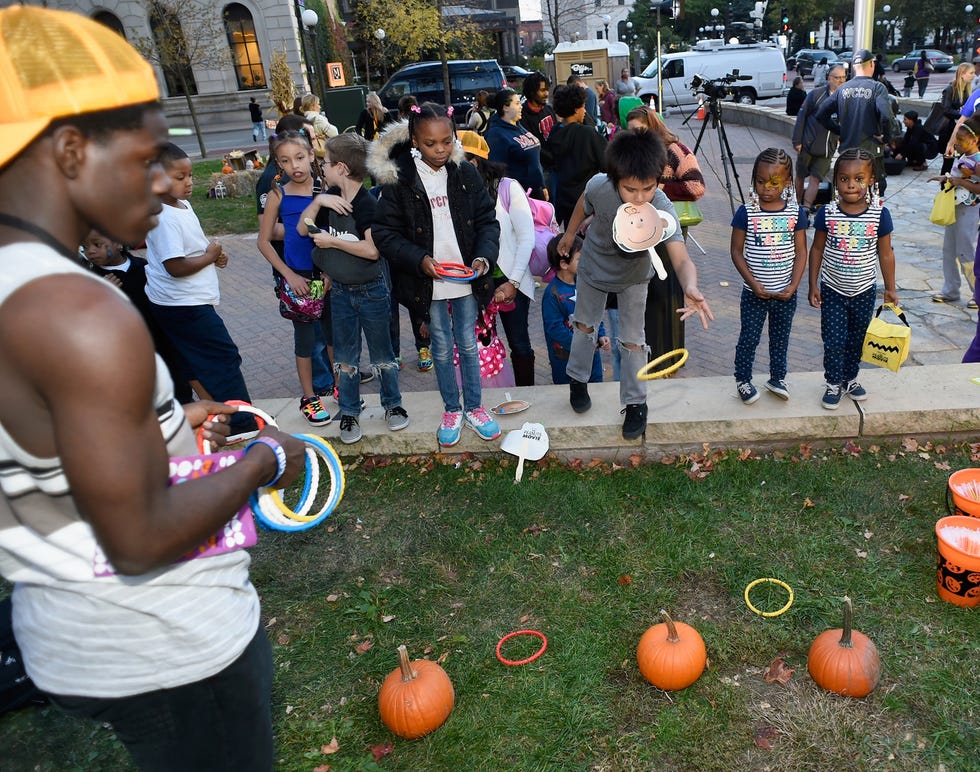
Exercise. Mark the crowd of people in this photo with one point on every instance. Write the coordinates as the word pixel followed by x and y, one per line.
pixel 168 649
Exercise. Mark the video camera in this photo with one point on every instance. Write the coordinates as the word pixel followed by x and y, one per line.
pixel 718 88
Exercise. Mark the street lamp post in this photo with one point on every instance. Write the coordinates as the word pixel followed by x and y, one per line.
pixel 967 42
pixel 606 18
pixel 714 19
pixel 310 20
pixel 380 34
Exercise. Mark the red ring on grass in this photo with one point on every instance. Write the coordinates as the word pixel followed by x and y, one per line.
pixel 515 662
pixel 456 271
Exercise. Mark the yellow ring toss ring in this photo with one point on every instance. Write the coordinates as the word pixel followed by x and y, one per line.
pixel 647 372
pixel 770 580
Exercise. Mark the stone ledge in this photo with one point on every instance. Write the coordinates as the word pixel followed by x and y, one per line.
pixel 937 401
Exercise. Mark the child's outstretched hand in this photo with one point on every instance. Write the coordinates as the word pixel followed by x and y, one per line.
pixel 694 303
pixel 603 343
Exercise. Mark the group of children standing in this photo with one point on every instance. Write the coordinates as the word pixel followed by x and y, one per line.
pixel 852 239
pixel 437 206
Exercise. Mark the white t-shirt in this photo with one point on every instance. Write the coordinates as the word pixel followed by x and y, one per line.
pixel 445 248
pixel 179 235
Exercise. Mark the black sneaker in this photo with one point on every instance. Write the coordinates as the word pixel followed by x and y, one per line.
pixel 635 423
pixel 578 395
pixel 366 376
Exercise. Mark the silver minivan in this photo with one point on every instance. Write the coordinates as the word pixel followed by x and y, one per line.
pixel 761 70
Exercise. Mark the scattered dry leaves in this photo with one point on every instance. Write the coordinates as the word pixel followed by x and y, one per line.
pixel 808 503
pixel 365 646
pixel 778 672
pixel 381 750
pixel 330 748
pixel 763 736
pixel 625 579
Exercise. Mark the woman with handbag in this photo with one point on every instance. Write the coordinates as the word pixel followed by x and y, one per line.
pixel 922 70
pixel 951 102
pixel 682 182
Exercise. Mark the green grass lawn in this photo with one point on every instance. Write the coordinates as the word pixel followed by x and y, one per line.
pixel 221 215
pixel 446 555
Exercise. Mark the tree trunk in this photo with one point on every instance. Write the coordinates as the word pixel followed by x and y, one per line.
pixel 444 58
pixel 194 120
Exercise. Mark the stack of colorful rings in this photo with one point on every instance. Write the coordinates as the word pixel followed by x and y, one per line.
pixel 267 503
pixel 273 513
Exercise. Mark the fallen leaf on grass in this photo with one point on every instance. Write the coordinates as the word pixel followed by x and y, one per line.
pixel 942 466
pixel 333 747
pixel 283 639
pixel 808 503
pixel 364 647
pixel 625 579
pixel 861 553
pixel 525 618
pixel 442 657
pixel 271 622
pixel 903 497
pixel 333 598
pixel 868 534
pixel 763 736
pixel 778 672
pixel 534 530
pixel 387 618
pixel 910 444
pixel 382 750
pixel 322 768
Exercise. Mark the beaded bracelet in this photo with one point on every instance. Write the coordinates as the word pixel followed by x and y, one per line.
pixel 280 453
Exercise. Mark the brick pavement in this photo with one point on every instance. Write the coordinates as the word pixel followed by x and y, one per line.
pixel 941 332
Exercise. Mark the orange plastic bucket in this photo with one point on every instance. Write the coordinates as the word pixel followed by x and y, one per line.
pixel 963 504
pixel 958 567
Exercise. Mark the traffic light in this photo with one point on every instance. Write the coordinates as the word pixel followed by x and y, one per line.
pixel 784 15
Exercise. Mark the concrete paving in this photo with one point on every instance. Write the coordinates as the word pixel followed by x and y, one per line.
pixel 931 394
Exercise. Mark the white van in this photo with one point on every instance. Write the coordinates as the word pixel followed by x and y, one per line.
pixel 761 69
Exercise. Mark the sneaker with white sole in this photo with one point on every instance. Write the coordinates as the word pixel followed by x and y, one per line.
pixel 314 412
pixel 855 391
pixel 449 431
pixel 350 429
pixel 396 418
pixel 778 387
pixel 747 392
pixel 831 396
pixel 425 360
pixel 479 420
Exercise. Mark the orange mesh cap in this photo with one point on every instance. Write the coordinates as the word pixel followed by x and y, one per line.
pixel 56 64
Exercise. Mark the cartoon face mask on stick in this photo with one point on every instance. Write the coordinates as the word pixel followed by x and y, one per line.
pixel 640 227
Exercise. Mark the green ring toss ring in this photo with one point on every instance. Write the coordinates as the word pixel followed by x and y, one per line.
pixel 770 580
pixel 647 373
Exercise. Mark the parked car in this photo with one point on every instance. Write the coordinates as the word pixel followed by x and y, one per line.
pixel 424 81
pixel 941 61
pixel 804 59
pixel 514 76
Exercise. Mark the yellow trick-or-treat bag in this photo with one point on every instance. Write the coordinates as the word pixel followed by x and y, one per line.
pixel 886 344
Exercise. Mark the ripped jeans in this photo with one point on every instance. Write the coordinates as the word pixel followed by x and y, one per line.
pixel 590 303
pixel 367 307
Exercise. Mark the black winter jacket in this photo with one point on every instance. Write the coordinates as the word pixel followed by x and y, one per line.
pixel 403 230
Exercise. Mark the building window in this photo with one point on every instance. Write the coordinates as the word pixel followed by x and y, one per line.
pixel 111 21
pixel 169 39
pixel 245 55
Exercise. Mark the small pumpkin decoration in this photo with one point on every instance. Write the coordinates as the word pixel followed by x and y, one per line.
pixel 416 698
pixel 845 661
pixel 226 169
pixel 671 655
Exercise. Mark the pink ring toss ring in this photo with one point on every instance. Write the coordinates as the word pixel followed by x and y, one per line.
pixel 262 418
pixel 516 662
pixel 455 272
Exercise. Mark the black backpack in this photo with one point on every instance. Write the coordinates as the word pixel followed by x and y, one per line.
pixel 16 687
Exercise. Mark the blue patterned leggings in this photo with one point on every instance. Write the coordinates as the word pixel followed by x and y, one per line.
pixel 753 317
pixel 843 323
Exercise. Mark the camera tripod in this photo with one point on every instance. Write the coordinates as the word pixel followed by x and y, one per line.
pixel 713 105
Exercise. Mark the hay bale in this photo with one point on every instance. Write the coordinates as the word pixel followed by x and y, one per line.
pixel 237 184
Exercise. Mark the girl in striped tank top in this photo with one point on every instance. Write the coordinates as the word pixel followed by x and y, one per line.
pixel 852 239
pixel 769 250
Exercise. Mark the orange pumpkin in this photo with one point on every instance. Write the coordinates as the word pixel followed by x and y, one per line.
pixel 671 655
pixel 226 169
pixel 416 698
pixel 845 661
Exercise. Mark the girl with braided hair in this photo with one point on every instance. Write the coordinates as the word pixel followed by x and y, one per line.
pixel 852 238
pixel 769 251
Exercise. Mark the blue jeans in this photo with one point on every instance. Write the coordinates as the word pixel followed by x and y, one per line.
pixel 356 307
pixel 211 356
pixel 220 723
pixel 459 325
pixel 843 324
pixel 753 314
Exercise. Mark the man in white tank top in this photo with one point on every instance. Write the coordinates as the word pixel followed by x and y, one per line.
pixel 88 422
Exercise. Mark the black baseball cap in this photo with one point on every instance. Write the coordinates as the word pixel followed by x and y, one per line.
pixel 861 56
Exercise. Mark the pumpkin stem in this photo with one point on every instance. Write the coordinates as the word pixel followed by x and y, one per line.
pixel 672 636
pixel 845 638
pixel 408 673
